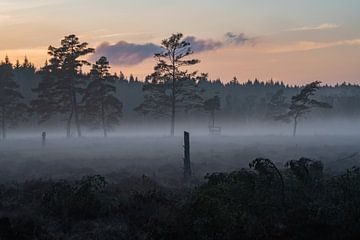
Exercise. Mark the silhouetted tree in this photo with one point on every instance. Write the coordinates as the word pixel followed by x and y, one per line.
pixel 189 95
pixel 131 78
pixel 17 64
pixel 211 106
pixel 277 104
pixel 12 109
pixel 25 76
pixel 122 76
pixel 302 103
pixel 65 65
pixel 234 81
pixel 102 108
pixel 168 69
pixel 47 103
pixel 156 100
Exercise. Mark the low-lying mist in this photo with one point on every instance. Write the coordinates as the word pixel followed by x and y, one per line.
pixel 137 150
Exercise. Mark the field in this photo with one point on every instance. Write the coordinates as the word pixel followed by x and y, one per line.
pixel 131 187
pixel 161 157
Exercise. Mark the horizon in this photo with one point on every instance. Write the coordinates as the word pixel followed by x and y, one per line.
pixel 293 42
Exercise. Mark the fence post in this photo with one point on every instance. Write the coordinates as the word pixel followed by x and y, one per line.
pixel 43 135
pixel 187 163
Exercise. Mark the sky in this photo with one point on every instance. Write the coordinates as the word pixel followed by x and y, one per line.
pixel 286 40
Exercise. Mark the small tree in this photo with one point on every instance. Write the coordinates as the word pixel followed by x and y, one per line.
pixel 102 108
pixel 211 106
pixel 168 69
pixel 12 109
pixel 302 103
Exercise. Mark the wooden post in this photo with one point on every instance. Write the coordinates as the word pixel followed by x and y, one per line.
pixel 43 138
pixel 187 163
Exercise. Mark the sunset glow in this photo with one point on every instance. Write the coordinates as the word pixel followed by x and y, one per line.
pixel 291 41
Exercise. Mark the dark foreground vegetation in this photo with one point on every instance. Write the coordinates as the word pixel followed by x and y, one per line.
pixel 297 201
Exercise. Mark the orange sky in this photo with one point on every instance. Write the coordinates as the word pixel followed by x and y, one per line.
pixel 296 42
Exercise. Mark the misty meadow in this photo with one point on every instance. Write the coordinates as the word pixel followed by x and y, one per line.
pixel 121 135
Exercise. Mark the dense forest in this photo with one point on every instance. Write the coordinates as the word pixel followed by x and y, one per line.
pixel 69 91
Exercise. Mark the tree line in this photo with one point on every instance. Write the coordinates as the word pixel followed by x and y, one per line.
pixel 62 90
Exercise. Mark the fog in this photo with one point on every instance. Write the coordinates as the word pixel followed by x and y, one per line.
pixel 136 150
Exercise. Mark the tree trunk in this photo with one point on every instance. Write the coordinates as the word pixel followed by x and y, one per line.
pixel 213 118
pixel 103 119
pixel 75 109
pixel 173 100
pixel 187 163
pixel 295 126
pixel 43 136
pixel 3 127
pixel 172 133
pixel 68 126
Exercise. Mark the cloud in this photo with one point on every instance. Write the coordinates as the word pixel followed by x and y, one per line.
pixel 124 53
pixel 308 46
pixel 128 54
pixel 239 39
pixel 201 45
pixel 324 26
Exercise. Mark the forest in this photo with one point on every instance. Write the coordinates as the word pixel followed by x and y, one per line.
pixel 87 153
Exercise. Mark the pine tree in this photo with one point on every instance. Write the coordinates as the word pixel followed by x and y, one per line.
pixel 101 107
pixel 157 102
pixel 12 109
pixel 68 85
pixel 17 64
pixel 27 63
pixel 189 95
pixel 168 71
pixel 131 78
pixel 302 103
pixel 212 105
pixel 277 105
pixel 47 103
pixel 122 76
pixel 25 75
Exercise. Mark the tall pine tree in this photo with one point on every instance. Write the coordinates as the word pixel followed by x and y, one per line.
pixel 168 72
pixel 64 93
